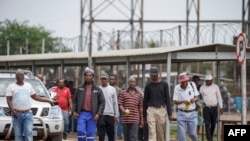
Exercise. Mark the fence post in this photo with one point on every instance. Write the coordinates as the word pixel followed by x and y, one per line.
pixel 8 47
pixel 43 45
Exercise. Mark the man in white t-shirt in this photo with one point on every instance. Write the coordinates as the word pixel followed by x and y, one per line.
pixel 18 98
pixel 185 95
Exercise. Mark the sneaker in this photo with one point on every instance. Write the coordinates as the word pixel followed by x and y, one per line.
pixel 64 136
pixel 119 137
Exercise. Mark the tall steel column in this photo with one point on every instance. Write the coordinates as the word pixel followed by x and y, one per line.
pixel 246 30
pixel 196 5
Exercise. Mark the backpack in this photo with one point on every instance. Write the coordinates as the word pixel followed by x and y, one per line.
pixel 198 103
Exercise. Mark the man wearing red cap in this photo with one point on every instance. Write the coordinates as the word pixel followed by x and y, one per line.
pixel 185 95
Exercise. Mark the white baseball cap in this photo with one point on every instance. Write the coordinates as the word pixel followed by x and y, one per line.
pixel 209 77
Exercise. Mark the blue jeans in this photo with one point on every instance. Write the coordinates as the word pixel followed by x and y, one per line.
pixel 119 127
pixel 23 126
pixel 187 120
pixel 86 127
pixel 66 121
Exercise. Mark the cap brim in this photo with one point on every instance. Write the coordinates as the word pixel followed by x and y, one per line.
pixel 104 77
pixel 183 80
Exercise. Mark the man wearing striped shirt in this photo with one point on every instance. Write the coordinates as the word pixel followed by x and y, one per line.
pixel 130 103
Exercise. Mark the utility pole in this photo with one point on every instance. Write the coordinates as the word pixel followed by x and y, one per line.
pixel 243 66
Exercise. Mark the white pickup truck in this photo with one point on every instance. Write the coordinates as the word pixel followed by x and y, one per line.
pixel 48 120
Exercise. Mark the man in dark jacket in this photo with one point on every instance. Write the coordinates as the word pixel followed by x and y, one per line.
pixel 88 105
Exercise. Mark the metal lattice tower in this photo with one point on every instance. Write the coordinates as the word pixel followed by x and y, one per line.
pixel 132 17
pixel 90 17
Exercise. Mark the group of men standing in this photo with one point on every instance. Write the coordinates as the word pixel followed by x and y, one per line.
pixel 103 107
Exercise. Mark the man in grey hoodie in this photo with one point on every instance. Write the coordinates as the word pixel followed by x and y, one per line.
pixel 106 123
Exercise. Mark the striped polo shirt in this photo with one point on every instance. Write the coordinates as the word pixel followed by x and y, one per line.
pixel 132 102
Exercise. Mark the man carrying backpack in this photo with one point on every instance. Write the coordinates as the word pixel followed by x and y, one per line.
pixel 185 96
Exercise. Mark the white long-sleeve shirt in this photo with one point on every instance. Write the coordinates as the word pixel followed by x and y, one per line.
pixel 111 104
pixel 211 95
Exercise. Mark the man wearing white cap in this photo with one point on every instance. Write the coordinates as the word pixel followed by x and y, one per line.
pixel 185 96
pixel 212 98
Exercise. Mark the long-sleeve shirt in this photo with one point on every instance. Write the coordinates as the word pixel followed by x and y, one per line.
pixel 157 95
pixel 211 95
pixel 111 104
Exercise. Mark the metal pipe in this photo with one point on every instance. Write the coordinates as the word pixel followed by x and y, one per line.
pixel 43 127
pixel 163 21
pixel 179 31
pixel 213 32
pixel 141 22
pixel 168 81
pixel 90 34
pixel 80 48
pixel 187 21
pixel 132 23
pixel 43 45
pixel 143 76
pixel 118 40
pixel 127 69
pixel 62 69
pixel 243 67
pixel 7 137
pixel 198 22
pixel 161 36
pixel 8 47
pixel 218 83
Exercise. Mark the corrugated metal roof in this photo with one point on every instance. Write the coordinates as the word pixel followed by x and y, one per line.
pixel 112 53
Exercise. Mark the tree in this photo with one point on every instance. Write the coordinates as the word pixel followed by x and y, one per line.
pixel 25 39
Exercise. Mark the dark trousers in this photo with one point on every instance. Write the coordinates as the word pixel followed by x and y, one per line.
pixel 130 132
pixel 210 115
pixel 106 124
pixel 143 133
pixel 72 124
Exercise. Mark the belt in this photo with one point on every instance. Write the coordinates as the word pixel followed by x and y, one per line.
pixel 83 110
pixel 158 106
pixel 22 111
pixel 210 107
pixel 187 111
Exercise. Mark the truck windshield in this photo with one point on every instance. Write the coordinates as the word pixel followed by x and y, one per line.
pixel 37 86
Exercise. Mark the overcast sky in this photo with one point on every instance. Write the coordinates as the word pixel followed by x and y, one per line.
pixel 62 17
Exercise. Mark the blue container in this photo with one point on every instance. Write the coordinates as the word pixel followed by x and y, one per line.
pixel 238 102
